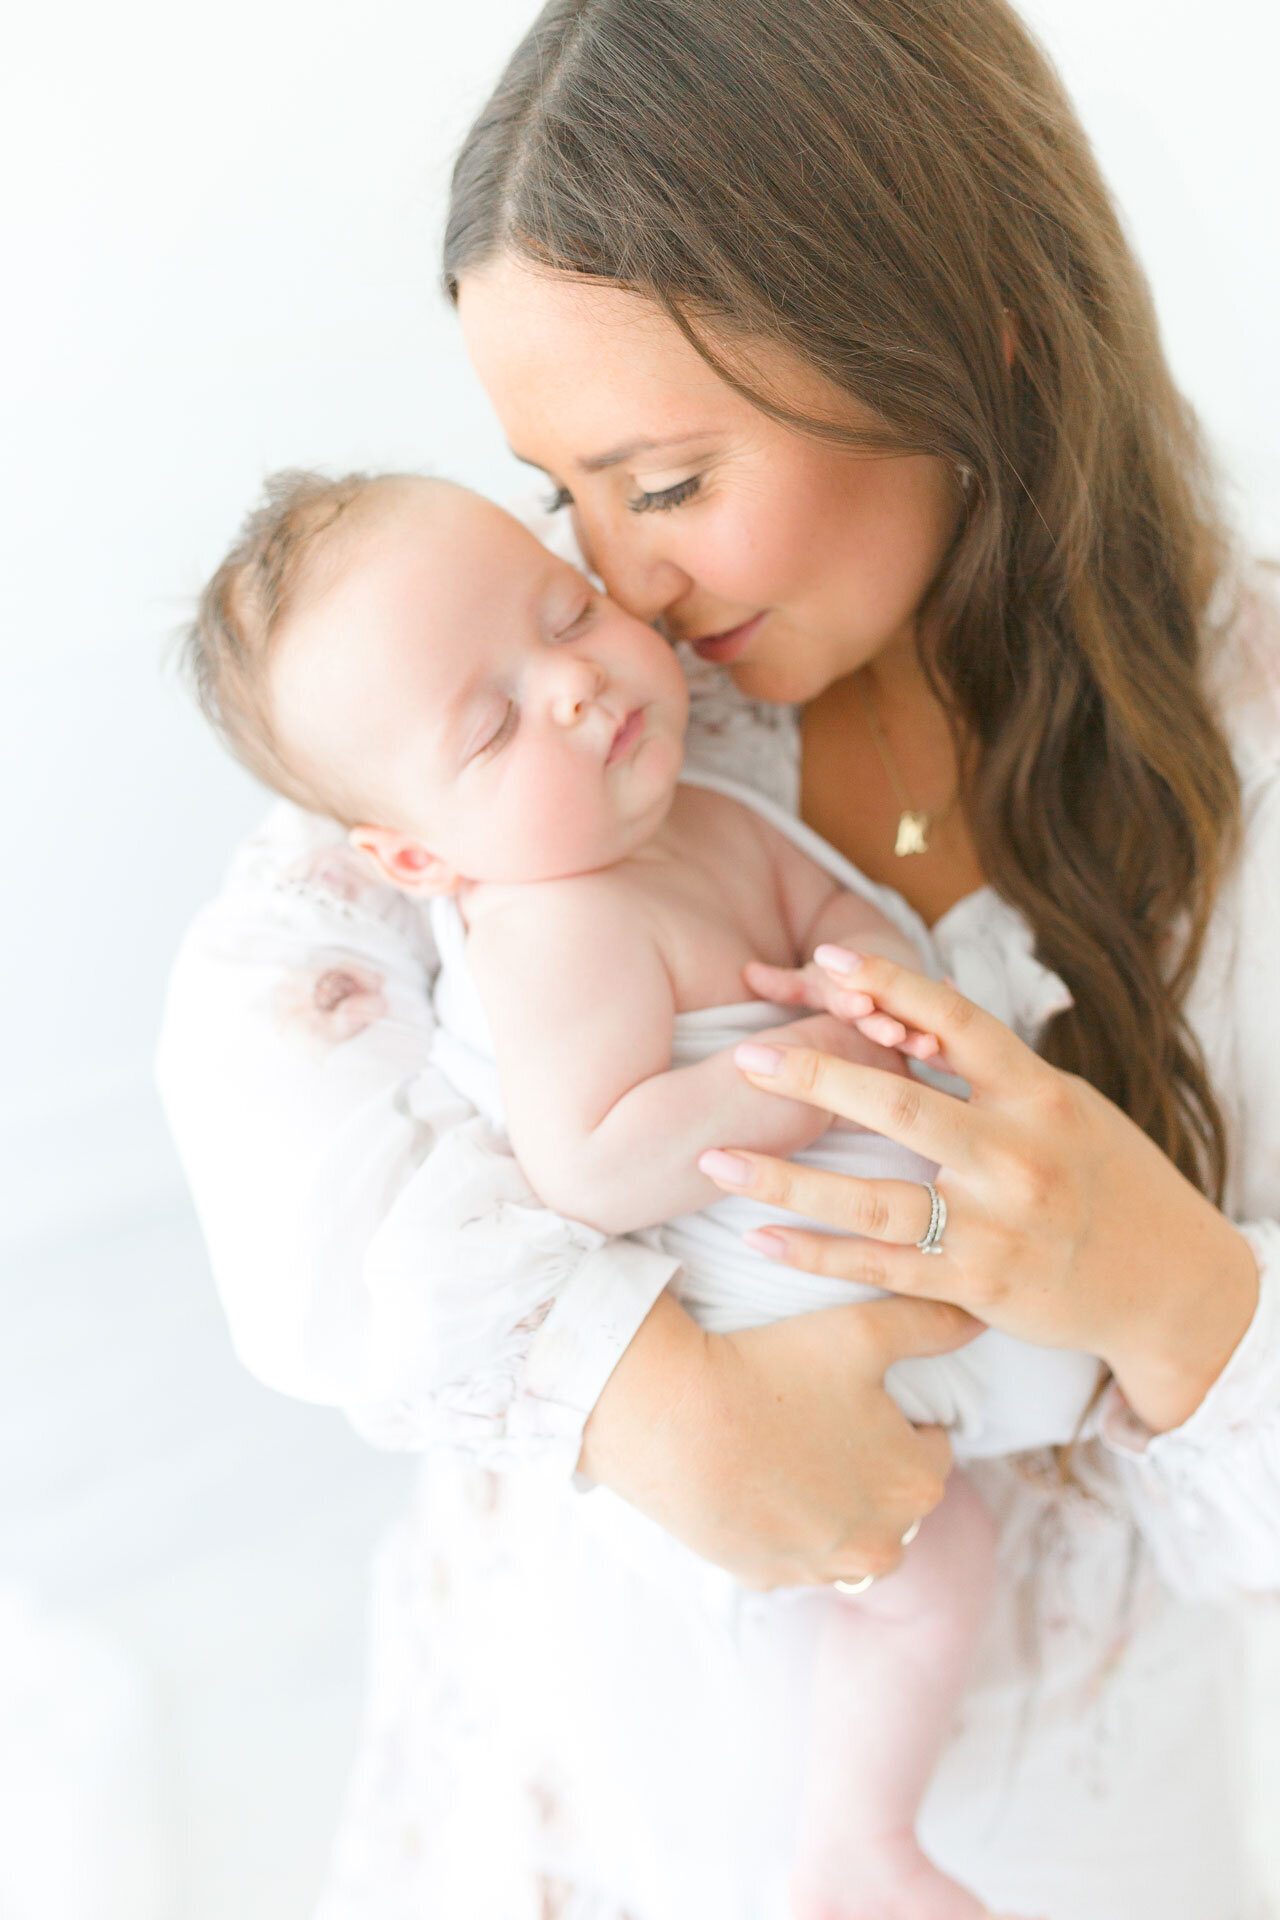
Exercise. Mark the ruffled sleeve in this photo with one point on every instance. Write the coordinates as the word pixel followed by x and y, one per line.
pixel 374 1243
pixel 1207 1494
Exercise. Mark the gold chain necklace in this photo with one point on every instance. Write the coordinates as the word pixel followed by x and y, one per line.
pixel 914 824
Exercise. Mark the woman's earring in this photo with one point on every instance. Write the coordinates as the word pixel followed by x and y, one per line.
pixel 965 476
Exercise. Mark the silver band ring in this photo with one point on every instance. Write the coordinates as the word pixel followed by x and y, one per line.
pixel 937 1226
pixel 911 1533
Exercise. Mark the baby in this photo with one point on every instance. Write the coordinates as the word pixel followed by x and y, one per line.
pixel 506 744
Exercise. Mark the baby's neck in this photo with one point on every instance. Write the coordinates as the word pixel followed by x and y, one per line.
pixel 672 843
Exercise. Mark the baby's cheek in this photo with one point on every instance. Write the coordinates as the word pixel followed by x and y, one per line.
pixel 558 827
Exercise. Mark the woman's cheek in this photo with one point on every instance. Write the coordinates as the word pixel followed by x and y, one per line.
pixel 747 560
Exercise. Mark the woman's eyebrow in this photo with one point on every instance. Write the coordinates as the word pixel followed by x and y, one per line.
pixel 616 455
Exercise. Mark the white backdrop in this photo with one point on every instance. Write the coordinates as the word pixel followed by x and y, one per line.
pixel 220 240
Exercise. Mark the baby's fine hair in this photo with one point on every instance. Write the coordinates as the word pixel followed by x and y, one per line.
pixel 285 546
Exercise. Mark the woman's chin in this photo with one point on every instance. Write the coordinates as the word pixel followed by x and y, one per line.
pixel 779 683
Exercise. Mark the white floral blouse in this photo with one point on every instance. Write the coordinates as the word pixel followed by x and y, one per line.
pixel 556 1725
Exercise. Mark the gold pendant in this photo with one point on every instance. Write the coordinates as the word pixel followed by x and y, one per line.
pixel 913 829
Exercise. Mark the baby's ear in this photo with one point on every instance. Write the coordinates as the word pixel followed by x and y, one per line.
pixel 405 862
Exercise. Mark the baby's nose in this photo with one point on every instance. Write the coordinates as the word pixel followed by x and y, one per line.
pixel 576 690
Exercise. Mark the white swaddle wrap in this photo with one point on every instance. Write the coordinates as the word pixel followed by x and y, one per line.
pixel 997 1395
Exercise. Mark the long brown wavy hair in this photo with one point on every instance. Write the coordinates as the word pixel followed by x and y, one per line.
pixel 890 189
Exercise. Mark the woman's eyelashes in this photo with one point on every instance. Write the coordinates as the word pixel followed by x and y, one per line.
pixel 661 500
pixel 665 498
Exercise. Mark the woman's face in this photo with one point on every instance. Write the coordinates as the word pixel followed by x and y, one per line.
pixel 791 560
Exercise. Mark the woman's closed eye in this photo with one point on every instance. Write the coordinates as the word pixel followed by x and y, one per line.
pixel 660 500
pixel 663 499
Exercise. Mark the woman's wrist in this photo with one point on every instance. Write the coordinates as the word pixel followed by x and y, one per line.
pixel 652 1407
pixel 1201 1310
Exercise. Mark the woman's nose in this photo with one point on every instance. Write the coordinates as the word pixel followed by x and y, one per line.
pixel 630 561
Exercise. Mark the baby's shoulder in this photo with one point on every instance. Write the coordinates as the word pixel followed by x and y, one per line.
pixel 545 948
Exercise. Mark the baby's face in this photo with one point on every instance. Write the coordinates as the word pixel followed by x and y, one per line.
pixel 501 714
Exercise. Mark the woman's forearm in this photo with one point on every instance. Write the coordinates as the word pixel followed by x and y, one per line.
pixel 653 1411
pixel 776 1452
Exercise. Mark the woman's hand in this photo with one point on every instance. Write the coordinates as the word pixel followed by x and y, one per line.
pixel 800 1123
pixel 1066 1225
pixel 776 1453
pixel 822 991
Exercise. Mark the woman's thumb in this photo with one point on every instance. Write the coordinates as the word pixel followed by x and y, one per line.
pixel 905 1329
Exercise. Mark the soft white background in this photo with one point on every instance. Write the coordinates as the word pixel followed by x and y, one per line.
pixel 220 255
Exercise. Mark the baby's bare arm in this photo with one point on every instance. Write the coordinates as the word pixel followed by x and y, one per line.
pixel 581 1011
pixel 848 920
pixel 820 913
pixel 818 909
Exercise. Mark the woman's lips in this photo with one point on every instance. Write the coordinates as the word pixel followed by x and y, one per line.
pixel 727 646
pixel 625 735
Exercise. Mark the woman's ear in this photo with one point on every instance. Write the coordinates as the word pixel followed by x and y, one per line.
pixel 405 862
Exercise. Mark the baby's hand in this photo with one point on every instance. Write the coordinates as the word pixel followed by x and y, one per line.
pixel 794 1125
pixel 823 992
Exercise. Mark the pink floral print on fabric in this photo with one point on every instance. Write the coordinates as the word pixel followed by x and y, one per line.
pixel 340 870
pixel 320 1007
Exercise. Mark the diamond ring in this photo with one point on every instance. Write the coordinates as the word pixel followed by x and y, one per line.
pixel 931 1242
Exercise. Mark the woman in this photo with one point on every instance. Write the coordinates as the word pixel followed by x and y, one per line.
pixel 820 323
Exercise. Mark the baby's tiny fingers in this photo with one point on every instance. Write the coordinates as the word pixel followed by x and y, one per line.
pixel 921 1046
pixel 883 1029
pixel 785 986
pixel 888 1032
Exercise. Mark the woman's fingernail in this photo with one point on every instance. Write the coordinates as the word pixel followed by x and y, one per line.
pixel 838 959
pixel 765 1241
pixel 753 1058
pixel 726 1168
